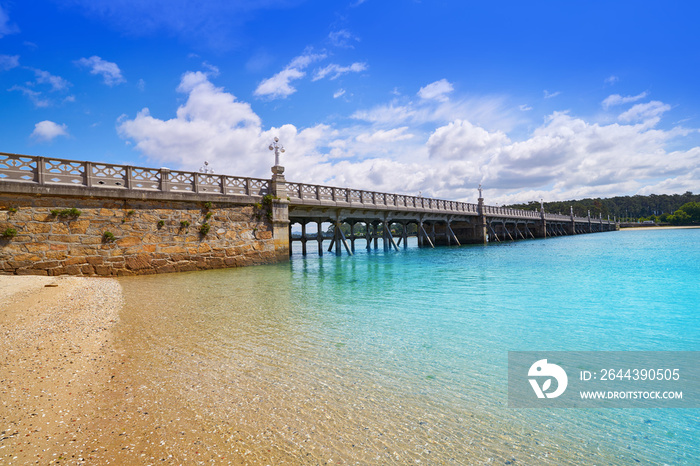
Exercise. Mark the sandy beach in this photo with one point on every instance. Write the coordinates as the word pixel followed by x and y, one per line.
pixel 72 393
pixel 56 357
pixel 660 228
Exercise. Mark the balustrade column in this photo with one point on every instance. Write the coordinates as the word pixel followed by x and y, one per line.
pixel 164 179
pixel 129 178
pixel 40 169
pixel 88 174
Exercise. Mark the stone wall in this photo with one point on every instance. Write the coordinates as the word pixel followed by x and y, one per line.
pixel 145 236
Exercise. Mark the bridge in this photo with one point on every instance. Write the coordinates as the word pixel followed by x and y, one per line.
pixel 385 216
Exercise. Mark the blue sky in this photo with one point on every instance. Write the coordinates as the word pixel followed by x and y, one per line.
pixel 544 99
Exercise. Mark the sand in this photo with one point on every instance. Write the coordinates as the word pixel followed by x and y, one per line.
pixel 72 391
pixel 56 359
pixel 639 228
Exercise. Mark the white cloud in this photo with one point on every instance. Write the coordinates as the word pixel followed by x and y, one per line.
pixel 525 108
pixel 278 86
pixel 460 140
pixel 110 72
pixel 214 126
pixel 384 136
pixel 645 112
pixel 437 90
pixel 336 70
pixel 212 70
pixel 7 62
pixel 342 38
pixel 57 83
pixel 487 111
pixel 550 95
pixel 617 99
pixel 339 93
pixel 47 131
pixel 35 96
pixel 6 28
pixel 385 113
pixel 612 79
pixel 566 157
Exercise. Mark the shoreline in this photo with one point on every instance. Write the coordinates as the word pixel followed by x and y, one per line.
pixel 660 228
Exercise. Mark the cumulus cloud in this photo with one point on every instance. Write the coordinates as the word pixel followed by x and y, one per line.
pixel 462 140
pixel 7 62
pixel 110 72
pixel 437 90
pixel 336 71
pixel 339 93
pixel 214 126
pixel 612 79
pixel 278 86
pixel 565 157
pixel 644 112
pixel 47 131
pixel 617 99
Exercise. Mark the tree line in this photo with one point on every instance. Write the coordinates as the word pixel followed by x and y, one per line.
pixel 676 209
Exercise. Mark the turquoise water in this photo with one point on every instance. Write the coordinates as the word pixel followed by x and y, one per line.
pixel 401 357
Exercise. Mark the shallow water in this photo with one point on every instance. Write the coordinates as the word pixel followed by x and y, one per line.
pixel 401 357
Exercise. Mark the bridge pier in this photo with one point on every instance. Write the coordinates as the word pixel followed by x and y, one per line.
pixel 319 236
pixel 352 235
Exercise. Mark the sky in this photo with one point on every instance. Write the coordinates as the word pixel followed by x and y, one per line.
pixel 533 100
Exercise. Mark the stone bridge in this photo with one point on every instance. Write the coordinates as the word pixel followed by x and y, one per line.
pixel 24 180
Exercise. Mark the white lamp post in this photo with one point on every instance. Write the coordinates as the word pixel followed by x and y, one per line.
pixel 278 148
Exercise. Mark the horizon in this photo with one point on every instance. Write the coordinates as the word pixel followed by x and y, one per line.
pixel 560 101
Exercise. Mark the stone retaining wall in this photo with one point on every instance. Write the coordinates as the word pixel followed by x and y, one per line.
pixel 149 236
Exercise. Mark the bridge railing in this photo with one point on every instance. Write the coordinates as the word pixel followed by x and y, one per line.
pixel 310 192
pixel 49 171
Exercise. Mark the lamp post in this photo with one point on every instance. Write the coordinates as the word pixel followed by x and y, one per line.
pixel 205 168
pixel 278 148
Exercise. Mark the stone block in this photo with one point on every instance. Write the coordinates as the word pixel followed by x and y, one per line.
pixel 94 260
pixel 46 265
pixel 59 228
pixel 185 266
pixel 103 270
pixel 75 260
pixel 31 272
pixel 56 255
pixel 79 227
pixel 37 227
pixel 151 238
pixel 36 247
pixel 139 262
pixel 173 250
